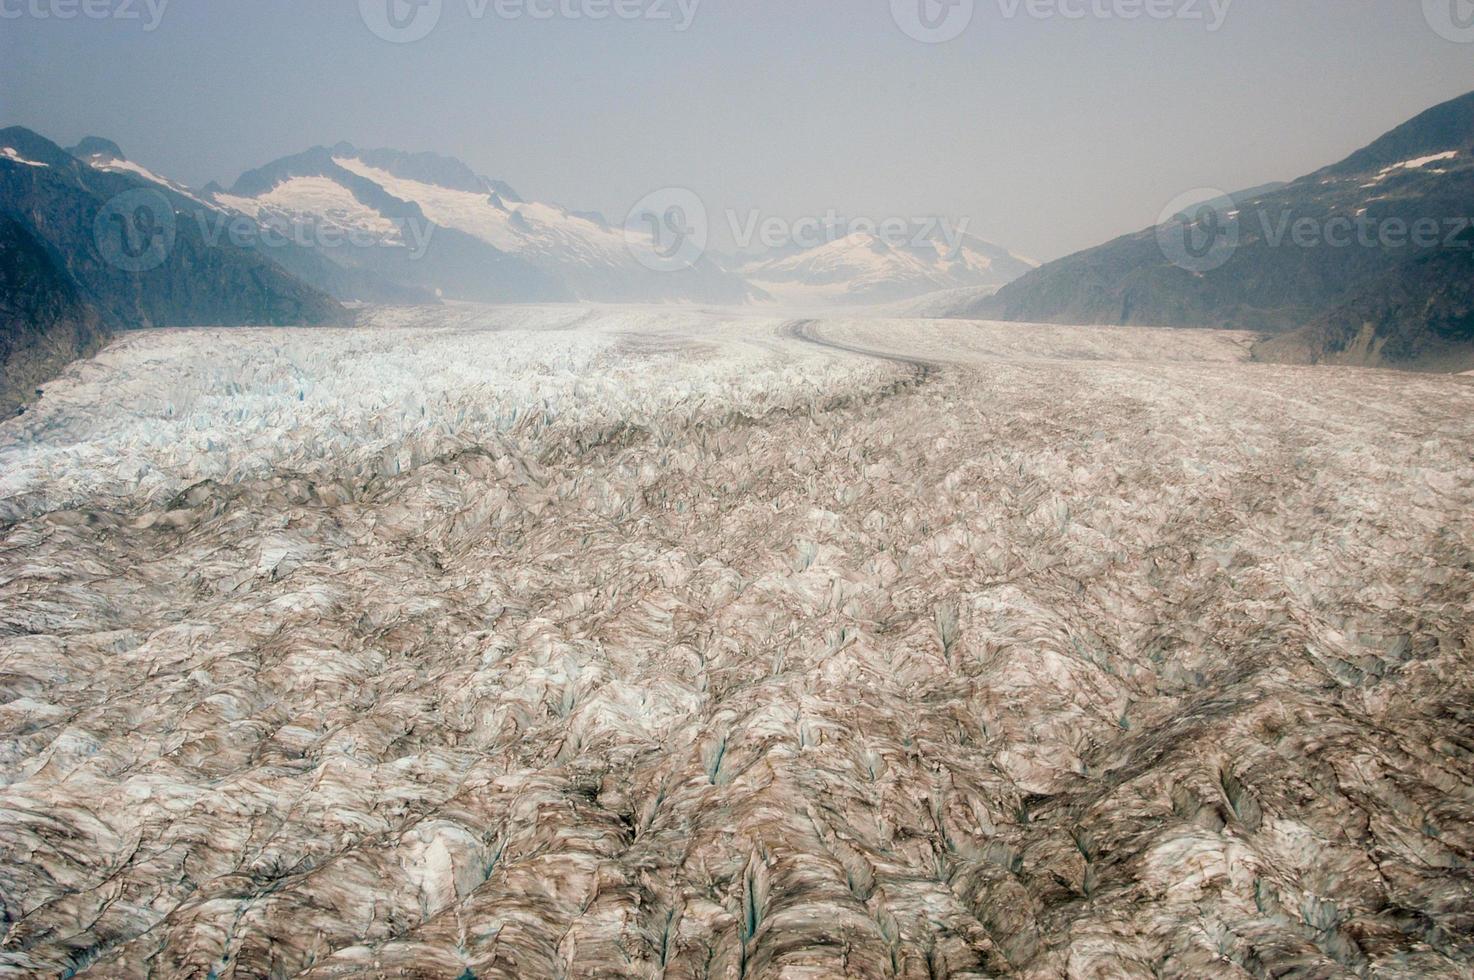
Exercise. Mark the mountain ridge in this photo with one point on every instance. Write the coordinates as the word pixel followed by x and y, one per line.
pixel 1272 282
pixel 548 253
pixel 89 251
pixel 868 268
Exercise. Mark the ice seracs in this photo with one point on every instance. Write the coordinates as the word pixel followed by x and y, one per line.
pixel 620 643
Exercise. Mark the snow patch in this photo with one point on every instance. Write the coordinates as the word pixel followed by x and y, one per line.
pixel 1421 162
pixel 474 214
pixel 9 153
pixel 245 205
pixel 137 170
pixel 317 199
pixel 537 231
pixel 1415 164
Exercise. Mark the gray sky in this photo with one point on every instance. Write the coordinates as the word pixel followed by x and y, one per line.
pixel 1048 133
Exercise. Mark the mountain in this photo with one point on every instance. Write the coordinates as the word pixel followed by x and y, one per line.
pixel 1445 127
pixel 868 268
pixel 316 261
pixel 130 245
pixel 1311 257
pixel 360 228
pixel 91 247
pixel 44 325
pixel 1419 315
pixel 432 222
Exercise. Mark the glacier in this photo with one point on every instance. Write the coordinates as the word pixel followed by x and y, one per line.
pixel 564 641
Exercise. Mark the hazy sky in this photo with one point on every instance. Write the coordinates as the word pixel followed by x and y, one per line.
pixel 1049 133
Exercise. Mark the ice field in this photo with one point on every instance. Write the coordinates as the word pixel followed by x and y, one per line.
pixel 574 642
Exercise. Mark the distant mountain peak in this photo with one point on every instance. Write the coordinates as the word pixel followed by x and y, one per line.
pixel 26 146
pixel 866 266
pixel 96 148
pixel 314 162
pixel 488 244
pixel 427 168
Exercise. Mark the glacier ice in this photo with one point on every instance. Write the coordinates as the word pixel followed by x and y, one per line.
pixel 568 642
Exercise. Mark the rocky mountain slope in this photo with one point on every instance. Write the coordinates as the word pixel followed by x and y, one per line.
pixel 1419 316
pixel 331 265
pixel 44 324
pixel 94 247
pixel 1389 219
pixel 139 258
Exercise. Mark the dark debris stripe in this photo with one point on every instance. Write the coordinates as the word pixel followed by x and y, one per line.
pixel 806 331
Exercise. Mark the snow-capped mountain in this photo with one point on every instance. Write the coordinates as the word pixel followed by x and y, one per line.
pixel 468 236
pixel 385 226
pixel 91 244
pixel 321 262
pixel 103 154
pixel 868 268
